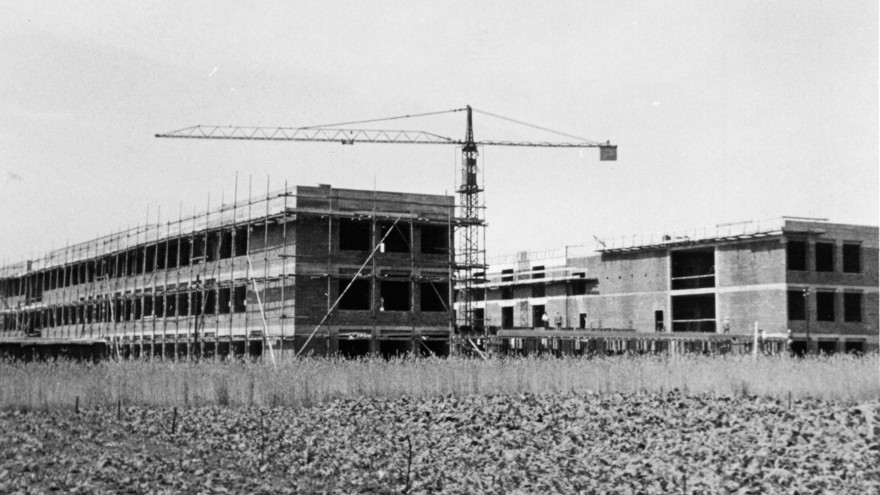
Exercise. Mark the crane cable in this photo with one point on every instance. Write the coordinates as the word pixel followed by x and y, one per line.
pixel 534 126
pixel 386 118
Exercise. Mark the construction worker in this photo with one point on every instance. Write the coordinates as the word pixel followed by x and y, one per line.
pixel 558 321
pixel 545 320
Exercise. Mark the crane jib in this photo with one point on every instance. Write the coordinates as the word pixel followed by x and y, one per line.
pixel 608 152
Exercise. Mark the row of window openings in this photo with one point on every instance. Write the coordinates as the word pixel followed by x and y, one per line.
pixel 578 288
pixel 356 235
pixel 215 245
pixel 225 300
pixel 393 296
pixel 825 306
pixel 536 272
pixel 173 253
pixel 796 256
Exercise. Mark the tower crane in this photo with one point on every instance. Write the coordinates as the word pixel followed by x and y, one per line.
pixel 470 255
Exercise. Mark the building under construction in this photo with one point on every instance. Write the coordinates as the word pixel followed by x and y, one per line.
pixel 708 289
pixel 309 270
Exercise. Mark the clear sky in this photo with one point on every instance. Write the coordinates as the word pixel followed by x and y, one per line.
pixel 723 111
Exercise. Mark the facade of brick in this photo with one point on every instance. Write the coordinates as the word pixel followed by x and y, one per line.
pixel 723 280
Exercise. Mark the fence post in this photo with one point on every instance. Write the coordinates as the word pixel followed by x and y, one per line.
pixel 755 343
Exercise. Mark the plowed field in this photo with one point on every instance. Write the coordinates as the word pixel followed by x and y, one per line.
pixel 565 443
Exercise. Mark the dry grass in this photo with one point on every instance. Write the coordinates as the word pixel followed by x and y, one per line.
pixel 311 381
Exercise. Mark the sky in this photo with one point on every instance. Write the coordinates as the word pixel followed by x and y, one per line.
pixel 722 111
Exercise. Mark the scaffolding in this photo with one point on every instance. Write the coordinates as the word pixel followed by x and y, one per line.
pixel 187 287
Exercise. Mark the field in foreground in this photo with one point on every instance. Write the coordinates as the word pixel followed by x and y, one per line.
pixel 562 443
pixel 305 382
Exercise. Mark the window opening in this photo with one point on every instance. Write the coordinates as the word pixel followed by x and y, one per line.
pixel 225 299
pixel 395 296
pixel 797 305
pixel 183 303
pixel 507 292
pixel 852 262
pixel 241 240
pixel 148 305
pixel 693 313
pixel 150 253
pixel 140 254
pixel 210 301
pixel 825 306
pixel 198 246
pixel 659 326
pixel 539 290
pixel 507 317
pixel 118 309
pixel 196 301
pixel 358 296
pixel 852 306
pixel 159 306
pixel 537 317
pixel 213 247
pixel 225 244
pixel 693 269
pixel 479 319
pixel 824 257
pixel 435 239
pixel 354 235
pixel 796 255
pixel 171 254
pixel 239 299
pixel 827 346
pixel 434 296
pixel 854 346
pixel 170 305
pixel 398 239
pixel 185 247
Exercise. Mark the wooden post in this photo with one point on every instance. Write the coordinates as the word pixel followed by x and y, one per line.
pixel 265 339
pixel 329 254
pixel 755 343
pixel 413 345
pixel 248 269
pixel 374 287
pixel 284 271
pixel 235 254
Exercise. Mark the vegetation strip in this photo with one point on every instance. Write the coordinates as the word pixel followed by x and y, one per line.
pixel 517 443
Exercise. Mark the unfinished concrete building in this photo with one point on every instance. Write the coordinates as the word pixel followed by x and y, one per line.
pixel 699 290
pixel 309 270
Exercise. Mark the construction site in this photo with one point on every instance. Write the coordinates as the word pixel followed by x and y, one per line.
pixel 312 270
pixel 324 271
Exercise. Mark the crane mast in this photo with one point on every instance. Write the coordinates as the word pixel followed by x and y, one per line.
pixel 471 256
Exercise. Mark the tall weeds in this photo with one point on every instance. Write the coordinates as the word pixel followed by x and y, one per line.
pixel 49 385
